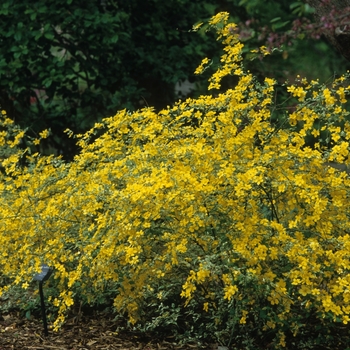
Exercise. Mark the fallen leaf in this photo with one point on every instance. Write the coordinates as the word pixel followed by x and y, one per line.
pixel 91 342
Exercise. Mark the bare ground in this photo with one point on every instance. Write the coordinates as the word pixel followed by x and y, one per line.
pixel 92 332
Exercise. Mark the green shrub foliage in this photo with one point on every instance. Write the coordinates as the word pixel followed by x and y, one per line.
pixel 205 218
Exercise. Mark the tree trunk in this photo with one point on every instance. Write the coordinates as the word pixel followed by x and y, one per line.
pixel 336 12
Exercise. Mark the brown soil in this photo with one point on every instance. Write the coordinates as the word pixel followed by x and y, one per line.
pixel 88 333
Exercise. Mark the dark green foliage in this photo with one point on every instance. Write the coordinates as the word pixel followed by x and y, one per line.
pixel 67 63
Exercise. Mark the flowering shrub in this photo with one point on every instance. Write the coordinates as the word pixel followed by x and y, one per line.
pixel 206 216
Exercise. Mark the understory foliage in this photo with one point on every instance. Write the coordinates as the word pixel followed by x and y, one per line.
pixel 206 217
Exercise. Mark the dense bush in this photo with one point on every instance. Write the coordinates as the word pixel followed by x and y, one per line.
pixel 205 219
pixel 69 64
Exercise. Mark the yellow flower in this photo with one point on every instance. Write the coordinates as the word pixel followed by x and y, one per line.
pixel 270 82
pixel 197 26
pixel 329 99
pixel 44 134
pixel 297 92
pixel 221 17
pixel 243 319
pixel 230 291
pixel 206 307
pixel 264 50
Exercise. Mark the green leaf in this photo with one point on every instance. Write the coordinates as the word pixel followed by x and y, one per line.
pixel 18 36
pixel 280 25
pixel 47 82
pixel 17 55
pixel 49 35
pixel 275 19
pixel 115 38
pixel 295 5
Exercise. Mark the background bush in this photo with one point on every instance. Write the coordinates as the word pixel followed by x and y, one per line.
pixel 68 64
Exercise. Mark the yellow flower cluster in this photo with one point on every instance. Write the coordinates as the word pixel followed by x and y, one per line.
pixel 157 194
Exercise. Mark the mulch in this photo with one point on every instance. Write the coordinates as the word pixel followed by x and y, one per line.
pixel 92 332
